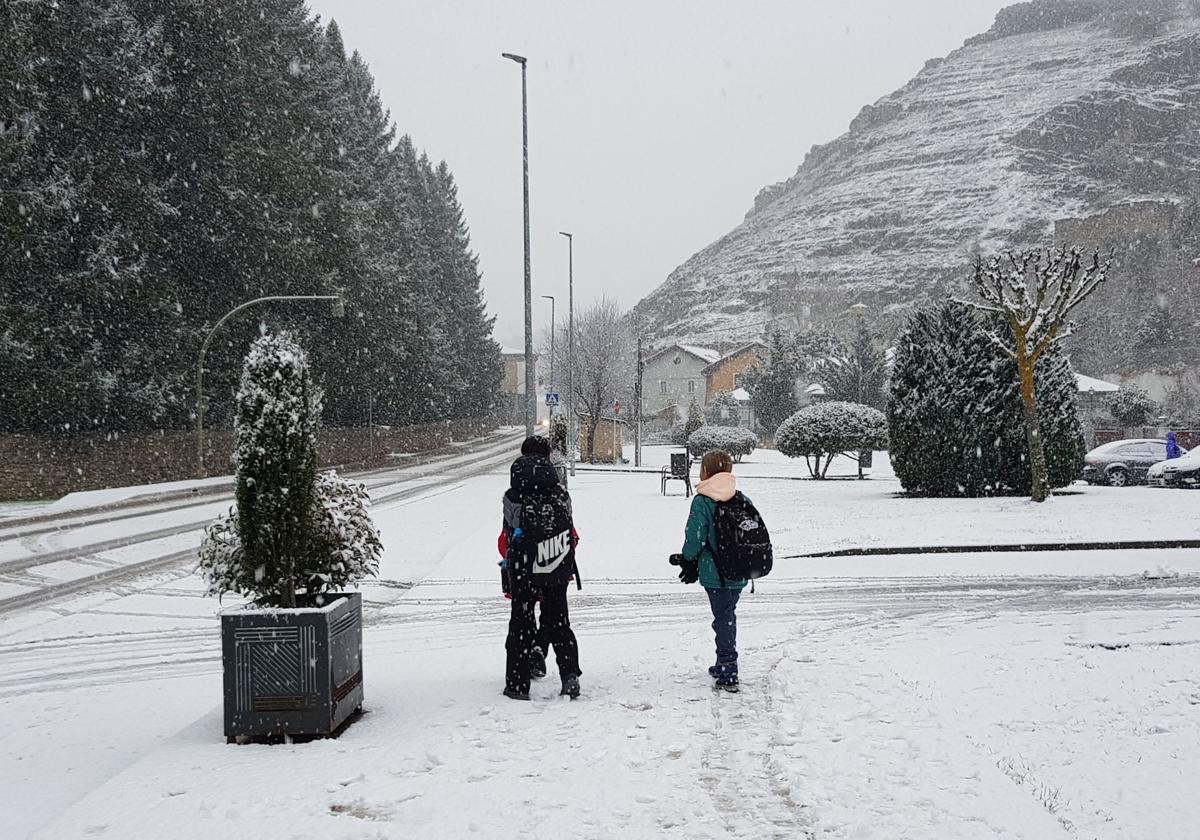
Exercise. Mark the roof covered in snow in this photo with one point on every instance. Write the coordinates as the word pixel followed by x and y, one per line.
pixel 705 354
pixel 1086 384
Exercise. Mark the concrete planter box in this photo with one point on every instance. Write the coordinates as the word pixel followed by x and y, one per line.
pixel 295 672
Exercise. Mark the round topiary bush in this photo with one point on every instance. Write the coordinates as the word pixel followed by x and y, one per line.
pixel 738 442
pixel 819 432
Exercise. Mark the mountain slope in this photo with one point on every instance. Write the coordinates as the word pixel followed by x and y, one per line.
pixel 1061 110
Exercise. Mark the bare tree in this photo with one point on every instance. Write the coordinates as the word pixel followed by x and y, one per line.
pixel 604 363
pixel 1034 291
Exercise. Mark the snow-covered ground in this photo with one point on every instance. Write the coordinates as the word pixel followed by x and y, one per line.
pixel 941 696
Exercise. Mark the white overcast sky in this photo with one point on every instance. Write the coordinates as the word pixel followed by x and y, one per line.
pixel 652 123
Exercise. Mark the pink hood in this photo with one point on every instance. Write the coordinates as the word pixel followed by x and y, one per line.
pixel 720 488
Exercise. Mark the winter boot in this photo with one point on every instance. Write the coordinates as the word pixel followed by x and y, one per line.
pixel 537 663
pixel 514 694
pixel 570 687
pixel 714 671
pixel 729 684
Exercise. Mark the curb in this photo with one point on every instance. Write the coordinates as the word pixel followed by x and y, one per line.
pixel 1108 545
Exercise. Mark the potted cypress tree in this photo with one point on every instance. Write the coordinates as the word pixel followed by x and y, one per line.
pixel 292 656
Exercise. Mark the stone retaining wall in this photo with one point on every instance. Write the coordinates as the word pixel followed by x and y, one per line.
pixel 34 467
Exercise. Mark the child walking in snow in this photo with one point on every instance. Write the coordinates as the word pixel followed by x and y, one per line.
pixel 538 542
pixel 698 561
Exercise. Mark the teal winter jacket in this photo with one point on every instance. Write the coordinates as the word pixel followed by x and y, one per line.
pixel 700 541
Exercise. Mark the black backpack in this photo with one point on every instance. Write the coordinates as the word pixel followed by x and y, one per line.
pixel 743 550
pixel 549 552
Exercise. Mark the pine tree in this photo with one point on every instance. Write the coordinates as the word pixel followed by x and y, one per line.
pixel 695 419
pixel 861 376
pixel 772 387
pixel 79 210
pixel 164 161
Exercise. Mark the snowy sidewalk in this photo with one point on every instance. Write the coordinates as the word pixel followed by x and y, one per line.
pixel 894 719
pixel 946 696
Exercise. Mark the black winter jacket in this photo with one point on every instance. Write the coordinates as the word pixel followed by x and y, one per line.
pixel 538 523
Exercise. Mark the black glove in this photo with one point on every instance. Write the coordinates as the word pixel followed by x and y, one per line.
pixel 689 570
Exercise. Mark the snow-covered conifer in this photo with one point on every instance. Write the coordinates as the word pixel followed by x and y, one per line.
pixel 955 415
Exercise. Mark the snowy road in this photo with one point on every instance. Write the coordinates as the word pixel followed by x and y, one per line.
pixel 49 556
pixel 925 697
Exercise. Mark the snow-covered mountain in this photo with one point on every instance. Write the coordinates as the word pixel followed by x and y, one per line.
pixel 1063 109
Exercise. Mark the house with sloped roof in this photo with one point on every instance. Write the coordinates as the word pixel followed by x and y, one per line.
pixel 725 374
pixel 674 376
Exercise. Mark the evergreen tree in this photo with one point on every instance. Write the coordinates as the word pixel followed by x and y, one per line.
pixel 724 410
pixel 955 412
pixel 695 419
pixel 772 387
pixel 278 412
pixel 292 529
pixel 80 205
pixel 860 377
pixel 1133 407
pixel 166 160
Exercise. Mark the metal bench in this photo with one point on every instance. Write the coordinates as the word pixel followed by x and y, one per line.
pixel 679 470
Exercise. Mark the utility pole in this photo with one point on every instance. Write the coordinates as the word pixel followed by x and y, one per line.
pixel 553 381
pixel 637 429
pixel 530 382
pixel 573 439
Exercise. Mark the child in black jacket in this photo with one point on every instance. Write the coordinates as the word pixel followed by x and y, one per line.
pixel 539 541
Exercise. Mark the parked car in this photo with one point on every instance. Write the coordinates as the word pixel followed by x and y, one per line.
pixel 1123 462
pixel 1177 472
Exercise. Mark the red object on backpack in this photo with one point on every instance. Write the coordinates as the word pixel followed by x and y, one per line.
pixel 502 541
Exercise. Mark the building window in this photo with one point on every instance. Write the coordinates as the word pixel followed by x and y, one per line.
pixel 662 386
pixel 691 386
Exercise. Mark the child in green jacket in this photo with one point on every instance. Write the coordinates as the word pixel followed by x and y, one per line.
pixel 717 484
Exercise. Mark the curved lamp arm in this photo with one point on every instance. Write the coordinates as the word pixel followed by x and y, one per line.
pixel 339 309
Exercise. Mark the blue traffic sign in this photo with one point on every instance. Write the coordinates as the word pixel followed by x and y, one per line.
pixel 553 398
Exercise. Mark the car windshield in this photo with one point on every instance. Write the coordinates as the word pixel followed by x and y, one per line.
pixel 599 419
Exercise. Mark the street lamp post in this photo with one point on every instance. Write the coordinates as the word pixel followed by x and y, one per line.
pixel 553 381
pixel 570 349
pixel 339 309
pixel 530 385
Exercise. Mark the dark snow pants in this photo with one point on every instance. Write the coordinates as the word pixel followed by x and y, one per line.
pixel 523 633
pixel 724 609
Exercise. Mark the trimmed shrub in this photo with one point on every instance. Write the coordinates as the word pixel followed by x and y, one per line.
pixel 292 529
pixel 822 431
pixel 738 442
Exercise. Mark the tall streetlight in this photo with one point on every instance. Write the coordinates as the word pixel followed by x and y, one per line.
pixel 530 385
pixel 339 309
pixel 553 381
pixel 570 349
